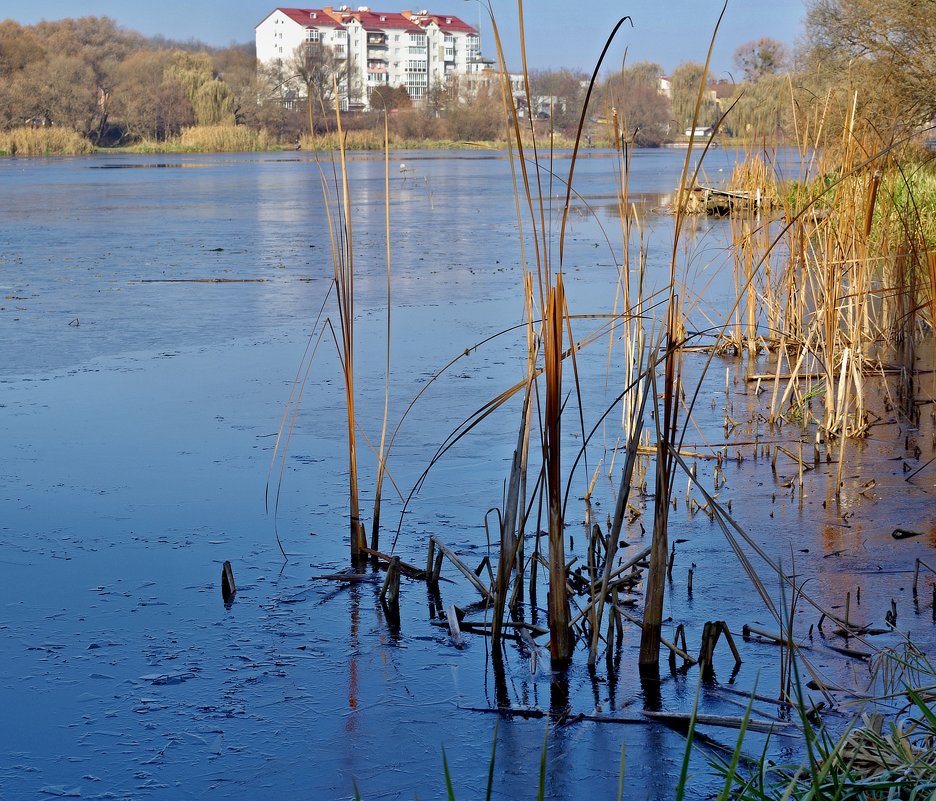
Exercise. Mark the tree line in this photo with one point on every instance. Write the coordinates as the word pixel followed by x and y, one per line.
pixel 115 86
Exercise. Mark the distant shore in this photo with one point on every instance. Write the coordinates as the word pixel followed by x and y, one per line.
pixel 240 139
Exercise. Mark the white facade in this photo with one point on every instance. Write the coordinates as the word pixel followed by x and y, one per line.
pixel 418 50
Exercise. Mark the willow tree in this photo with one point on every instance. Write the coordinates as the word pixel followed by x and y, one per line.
pixel 685 81
pixel 210 97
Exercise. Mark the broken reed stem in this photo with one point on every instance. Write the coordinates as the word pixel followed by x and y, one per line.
pixel 560 631
pixel 620 507
pixel 649 659
pixel 390 591
pixel 509 542
pixel 466 571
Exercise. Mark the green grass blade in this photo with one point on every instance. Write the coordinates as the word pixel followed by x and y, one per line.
pixel 490 784
pixel 684 770
pixel 923 707
pixel 620 796
pixel 449 790
pixel 731 771
pixel 541 793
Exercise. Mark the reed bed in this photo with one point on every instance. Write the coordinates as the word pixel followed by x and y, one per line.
pixel 210 139
pixel 838 282
pixel 223 139
pixel 46 141
pixel 373 140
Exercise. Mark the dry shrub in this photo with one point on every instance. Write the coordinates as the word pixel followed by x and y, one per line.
pixel 414 124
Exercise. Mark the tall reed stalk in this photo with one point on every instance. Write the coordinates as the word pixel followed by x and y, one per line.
pixel 342 235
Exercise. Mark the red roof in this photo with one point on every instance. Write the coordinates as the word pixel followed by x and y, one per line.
pixel 377 20
pixel 372 20
pixel 304 17
pixel 449 23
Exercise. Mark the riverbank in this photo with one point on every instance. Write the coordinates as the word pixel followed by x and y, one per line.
pixel 241 139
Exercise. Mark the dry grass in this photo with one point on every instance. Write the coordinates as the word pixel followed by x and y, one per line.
pixel 43 142
pixel 224 139
pixel 210 139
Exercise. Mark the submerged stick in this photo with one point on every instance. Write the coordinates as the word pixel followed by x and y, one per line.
pixel 725 721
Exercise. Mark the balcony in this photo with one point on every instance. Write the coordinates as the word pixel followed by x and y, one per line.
pixel 376 40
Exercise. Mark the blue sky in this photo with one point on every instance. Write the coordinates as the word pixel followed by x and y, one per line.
pixel 559 32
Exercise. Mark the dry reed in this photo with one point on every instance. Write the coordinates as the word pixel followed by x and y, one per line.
pixel 47 141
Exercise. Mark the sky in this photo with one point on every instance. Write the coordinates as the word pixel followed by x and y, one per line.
pixel 559 33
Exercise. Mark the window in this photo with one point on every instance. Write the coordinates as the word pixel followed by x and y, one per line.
pixel 418 39
pixel 416 66
pixel 312 35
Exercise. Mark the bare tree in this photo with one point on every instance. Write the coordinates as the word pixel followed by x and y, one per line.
pixel 643 110
pixel 559 93
pixel 883 49
pixel 761 57
pixel 325 75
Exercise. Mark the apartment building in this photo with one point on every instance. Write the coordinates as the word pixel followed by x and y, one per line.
pixel 415 49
